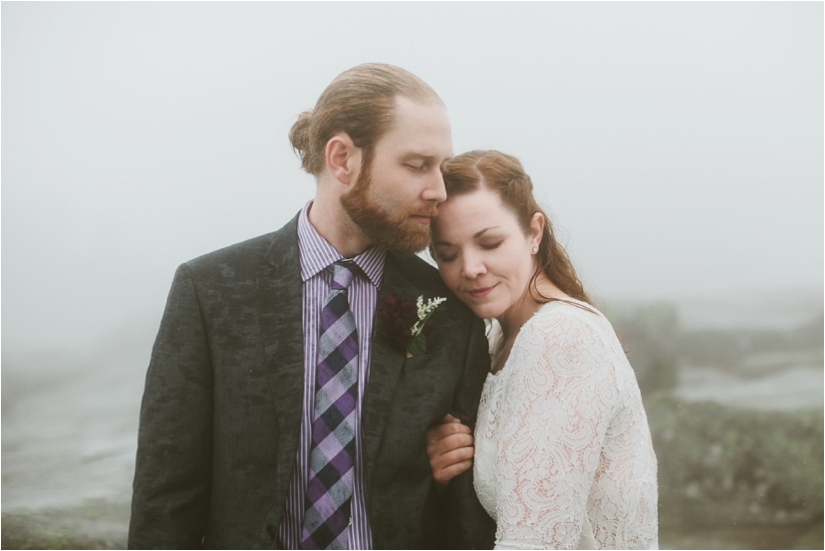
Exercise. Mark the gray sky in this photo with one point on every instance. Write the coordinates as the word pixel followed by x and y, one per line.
pixel 678 146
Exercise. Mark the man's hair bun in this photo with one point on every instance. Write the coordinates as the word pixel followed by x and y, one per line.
pixel 360 102
pixel 299 137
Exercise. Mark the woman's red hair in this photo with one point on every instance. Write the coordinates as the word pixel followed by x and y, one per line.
pixel 504 175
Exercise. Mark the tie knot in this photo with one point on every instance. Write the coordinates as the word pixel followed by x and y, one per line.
pixel 342 273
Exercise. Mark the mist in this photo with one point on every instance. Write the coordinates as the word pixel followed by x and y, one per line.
pixel 677 146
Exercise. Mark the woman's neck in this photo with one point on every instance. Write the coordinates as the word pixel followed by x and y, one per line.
pixel 529 303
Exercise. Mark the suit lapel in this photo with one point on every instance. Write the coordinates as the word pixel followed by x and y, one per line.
pixel 385 367
pixel 279 294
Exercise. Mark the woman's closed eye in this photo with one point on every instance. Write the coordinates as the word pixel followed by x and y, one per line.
pixel 445 258
pixel 484 246
pixel 491 246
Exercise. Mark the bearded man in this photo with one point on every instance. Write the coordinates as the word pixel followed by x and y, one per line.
pixel 278 411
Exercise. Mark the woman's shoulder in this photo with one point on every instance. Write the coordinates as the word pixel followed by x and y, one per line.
pixel 572 333
pixel 568 314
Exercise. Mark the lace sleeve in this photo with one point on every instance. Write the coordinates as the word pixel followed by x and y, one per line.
pixel 556 409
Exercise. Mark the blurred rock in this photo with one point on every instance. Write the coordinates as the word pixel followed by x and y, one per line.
pixel 750 350
pixel 720 466
pixel 808 536
pixel 649 334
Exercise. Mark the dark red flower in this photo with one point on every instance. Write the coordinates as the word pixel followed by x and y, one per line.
pixel 396 317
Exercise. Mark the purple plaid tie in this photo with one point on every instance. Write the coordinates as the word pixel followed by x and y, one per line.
pixel 329 484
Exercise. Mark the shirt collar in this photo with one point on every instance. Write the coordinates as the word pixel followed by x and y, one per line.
pixel 317 254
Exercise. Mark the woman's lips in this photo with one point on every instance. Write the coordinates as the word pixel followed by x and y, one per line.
pixel 481 292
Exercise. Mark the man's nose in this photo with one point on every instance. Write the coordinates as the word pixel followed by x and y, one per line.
pixel 435 190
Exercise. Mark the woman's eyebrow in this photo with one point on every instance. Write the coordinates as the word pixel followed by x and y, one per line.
pixel 475 236
pixel 479 234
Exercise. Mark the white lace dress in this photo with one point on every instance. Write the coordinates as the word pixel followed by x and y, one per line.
pixel 563 454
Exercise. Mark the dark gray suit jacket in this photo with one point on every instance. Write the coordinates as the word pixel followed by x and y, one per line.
pixel 221 412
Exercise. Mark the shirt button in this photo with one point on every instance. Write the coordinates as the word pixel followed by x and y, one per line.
pixel 350 521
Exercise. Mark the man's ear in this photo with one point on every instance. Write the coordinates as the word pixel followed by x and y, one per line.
pixel 343 158
pixel 536 229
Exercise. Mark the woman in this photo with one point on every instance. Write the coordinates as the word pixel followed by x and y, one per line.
pixel 563 457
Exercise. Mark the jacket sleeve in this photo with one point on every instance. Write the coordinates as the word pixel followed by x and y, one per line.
pixel 171 491
pixel 467 525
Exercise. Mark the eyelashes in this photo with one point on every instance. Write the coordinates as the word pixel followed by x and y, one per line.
pixel 486 247
pixel 447 258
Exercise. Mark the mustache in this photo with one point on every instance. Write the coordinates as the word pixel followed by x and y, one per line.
pixel 430 212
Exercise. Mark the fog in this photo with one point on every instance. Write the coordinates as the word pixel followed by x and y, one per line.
pixel 678 146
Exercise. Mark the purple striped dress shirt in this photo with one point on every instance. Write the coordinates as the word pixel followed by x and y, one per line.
pixel 316 255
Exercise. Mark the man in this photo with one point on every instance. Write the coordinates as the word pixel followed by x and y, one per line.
pixel 276 414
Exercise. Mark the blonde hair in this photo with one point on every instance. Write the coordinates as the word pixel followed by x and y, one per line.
pixel 360 102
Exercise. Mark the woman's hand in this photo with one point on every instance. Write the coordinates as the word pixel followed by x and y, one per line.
pixel 450 448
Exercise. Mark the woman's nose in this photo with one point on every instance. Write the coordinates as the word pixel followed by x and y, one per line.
pixel 473 267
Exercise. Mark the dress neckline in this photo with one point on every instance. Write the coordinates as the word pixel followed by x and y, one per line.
pixel 495 333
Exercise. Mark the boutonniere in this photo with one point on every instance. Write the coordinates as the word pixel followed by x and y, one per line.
pixel 406 322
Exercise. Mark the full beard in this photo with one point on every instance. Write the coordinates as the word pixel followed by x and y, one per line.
pixel 398 234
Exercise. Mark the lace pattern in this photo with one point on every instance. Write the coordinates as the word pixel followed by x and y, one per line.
pixel 561 434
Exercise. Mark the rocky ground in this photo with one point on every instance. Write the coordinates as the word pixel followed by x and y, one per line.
pixel 103 525
pixel 95 524
pixel 69 439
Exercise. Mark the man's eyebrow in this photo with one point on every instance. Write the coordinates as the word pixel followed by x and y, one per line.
pixel 419 155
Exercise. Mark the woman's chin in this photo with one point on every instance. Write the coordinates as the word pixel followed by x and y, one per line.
pixel 485 311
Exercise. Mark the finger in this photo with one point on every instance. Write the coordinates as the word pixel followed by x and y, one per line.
pixel 450 419
pixel 453 442
pixel 456 456
pixel 445 475
pixel 443 443
pixel 453 456
pixel 436 447
pixel 437 453
pixel 442 431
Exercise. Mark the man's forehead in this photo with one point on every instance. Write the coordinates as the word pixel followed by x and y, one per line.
pixel 403 102
pixel 420 128
pixel 408 111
